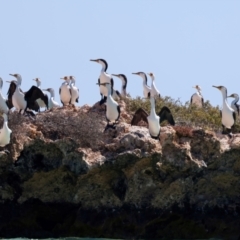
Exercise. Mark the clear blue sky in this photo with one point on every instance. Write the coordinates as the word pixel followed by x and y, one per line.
pixel 183 42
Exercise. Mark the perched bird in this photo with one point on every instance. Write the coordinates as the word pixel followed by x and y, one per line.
pixel 74 91
pixel 105 78
pixel 65 92
pixel 153 119
pixel 146 88
pixel 227 114
pixel 197 98
pixel 154 91
pixel 5 132
pixel 40 101
pixel 234 105
pixel 23 100
pixel 112 108
pixel 3 101
pixel 52 103
pixel 124 84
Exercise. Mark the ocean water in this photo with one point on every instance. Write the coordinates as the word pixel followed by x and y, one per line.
pixel 67 238
pixel 77 238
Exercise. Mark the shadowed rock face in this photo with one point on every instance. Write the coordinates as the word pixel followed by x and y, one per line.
pixel 65 177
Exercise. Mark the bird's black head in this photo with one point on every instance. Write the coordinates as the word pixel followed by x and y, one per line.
pixel 102 61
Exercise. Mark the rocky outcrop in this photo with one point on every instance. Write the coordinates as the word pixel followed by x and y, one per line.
pixel 64 176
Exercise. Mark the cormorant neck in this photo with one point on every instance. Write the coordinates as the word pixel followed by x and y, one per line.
pixel 152 101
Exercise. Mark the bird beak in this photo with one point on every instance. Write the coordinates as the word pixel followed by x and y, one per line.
pixel 230 96
pixel 148 74
pixel 8 81
pixel 116 75
pixel 93 60
pixel 34 80
pixel 216 87
pixel 11 74
pixel 44 90
pixel 135 73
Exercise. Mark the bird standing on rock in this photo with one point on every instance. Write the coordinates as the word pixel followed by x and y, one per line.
pixel 23 100
pixel 5 131
pixel 105 78
pixel 197 98
pixel 124 84
pixel 153 120
pixel 52 102
pixel 65 92
pixel 40 101
pixel 3 101
pixel 112 108
pixel 227 114
pixel 234 105
pixel 74 91
pixel 146 88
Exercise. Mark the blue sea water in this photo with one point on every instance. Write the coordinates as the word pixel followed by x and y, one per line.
pixel 77 238
pixel 67 238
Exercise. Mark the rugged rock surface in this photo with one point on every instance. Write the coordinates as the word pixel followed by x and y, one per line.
pixel 65 177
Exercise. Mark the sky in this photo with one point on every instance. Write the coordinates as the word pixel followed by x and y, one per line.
pixel 183 42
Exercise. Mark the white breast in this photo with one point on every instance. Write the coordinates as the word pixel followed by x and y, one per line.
pixel 18 100
pixel 65 95
pixel 53 104
pixel 227 117
pixel 112 112
pixel 5 133
pixel 153 125
pixel 197 99
pixel 3 105
pixel 75 94
pixel 146 90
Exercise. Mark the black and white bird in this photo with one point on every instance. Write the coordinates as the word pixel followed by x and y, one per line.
pixel 234 105
pixel 52 103
pixel 65 91
pixel 105 78
pixel 197 98
pixel 5 131
pixel 74 91
pixel 23 100
pixel 154 91
pixel 146 88
pixel 3 101
pixel 40 101
pixel 227 114
pixel 153 120
pixel 124 84
pixel 112 108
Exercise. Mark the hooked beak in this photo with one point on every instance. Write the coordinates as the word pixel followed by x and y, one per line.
pixel 116 75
